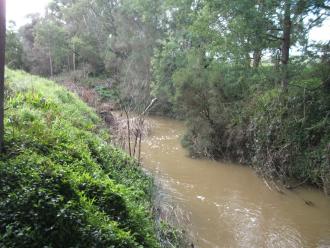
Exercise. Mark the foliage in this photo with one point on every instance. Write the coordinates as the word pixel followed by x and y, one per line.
pixel 282 134
pixel 216 64
pixel 220 66
pixel 14 48
pixel 289 133
pixel 50 41
pixel 114 38
pixel 62 183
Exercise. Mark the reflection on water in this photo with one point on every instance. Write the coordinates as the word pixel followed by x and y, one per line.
pixel 229 206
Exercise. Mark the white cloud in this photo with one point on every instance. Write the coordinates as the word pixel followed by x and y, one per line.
pixel 18 9
pixel 321 33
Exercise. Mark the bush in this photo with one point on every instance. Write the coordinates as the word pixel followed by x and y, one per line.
pixel 243 115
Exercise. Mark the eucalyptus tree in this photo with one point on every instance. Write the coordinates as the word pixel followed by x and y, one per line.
pixel 237 29
pixel 85 38
pixel 171 51
pixel 14 48
pixel 293 20
pixel 51 40
pixel 27 37
pixel 2 68
pixel 243 27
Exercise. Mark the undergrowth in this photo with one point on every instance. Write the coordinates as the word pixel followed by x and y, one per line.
pixel 62 184
pixel 250 119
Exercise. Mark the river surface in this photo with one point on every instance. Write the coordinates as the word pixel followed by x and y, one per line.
pixel 229 205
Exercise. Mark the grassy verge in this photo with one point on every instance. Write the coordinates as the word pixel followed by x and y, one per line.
pixel 62 184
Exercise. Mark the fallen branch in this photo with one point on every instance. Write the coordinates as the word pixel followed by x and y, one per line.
pixel 290 187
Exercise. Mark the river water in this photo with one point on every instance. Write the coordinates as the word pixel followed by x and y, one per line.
pixel 229 205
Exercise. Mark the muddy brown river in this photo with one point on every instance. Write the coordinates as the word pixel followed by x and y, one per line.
pixel 229 205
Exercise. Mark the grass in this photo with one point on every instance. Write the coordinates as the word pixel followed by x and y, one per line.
pixel 63 184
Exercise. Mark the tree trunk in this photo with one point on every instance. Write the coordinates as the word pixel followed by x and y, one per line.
pixel 136 135
pixel 84 70
pixel 140 140
pixel 51 64
pixel 326 85
pixel 247 60
pixel 286 43
pixel 256 58
pixel 74 58
pixel 2 68
pixel 128 132
pixel 68 60
pixel 276 59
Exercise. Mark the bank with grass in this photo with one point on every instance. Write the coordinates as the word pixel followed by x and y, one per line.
pixel 62 183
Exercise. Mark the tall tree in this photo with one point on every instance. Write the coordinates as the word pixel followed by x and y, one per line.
pixel 2 68
pixel 14 48
pixel 295 18
pixel 51 40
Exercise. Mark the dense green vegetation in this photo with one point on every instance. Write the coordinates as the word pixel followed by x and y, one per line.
pixel 284 134
pixel 226 67
pixel 62 184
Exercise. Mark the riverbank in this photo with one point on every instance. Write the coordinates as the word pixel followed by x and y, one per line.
pixel 229 205
pixel 171 229
pixel 284 136
pixel 245 116
pixel 63 183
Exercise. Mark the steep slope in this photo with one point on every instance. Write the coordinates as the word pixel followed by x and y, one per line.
pixel 62 183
